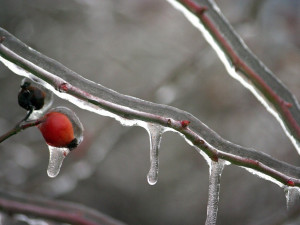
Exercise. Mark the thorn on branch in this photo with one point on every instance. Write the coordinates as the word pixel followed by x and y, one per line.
pixel 184 123
pixel 2 38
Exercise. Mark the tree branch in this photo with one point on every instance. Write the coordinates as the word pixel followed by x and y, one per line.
pixel 53 209
pixel 243 65
pixel 91 96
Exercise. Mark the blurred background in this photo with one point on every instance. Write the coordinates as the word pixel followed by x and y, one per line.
pixel 147 49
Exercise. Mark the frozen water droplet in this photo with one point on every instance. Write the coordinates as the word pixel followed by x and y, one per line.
pixel 57 155
pixel 292 195
pixel 155 133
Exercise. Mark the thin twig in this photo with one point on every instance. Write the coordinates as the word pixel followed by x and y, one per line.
pixel 19 128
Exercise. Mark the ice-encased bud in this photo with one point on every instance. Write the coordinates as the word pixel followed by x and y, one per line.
pixel 33 96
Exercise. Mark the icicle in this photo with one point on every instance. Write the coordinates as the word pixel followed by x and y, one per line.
pixel 215 172
pixel 57 155
pixel 292 195
pixel 155 133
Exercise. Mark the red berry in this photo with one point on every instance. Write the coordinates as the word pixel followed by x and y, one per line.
pixel 57 130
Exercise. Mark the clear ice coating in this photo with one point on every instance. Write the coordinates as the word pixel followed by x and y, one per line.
pixel 292 195
pixel 155 133
pixel 48 98
pixel 215 173
pixel 57 156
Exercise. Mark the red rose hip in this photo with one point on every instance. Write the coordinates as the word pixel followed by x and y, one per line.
pixel 57 129
pixel 62 130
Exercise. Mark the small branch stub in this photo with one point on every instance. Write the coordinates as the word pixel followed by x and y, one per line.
pixel 63 87
pixel 291 183
pixel 184 123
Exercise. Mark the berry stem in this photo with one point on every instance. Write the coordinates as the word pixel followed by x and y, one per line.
pixel 25 118
pixel 18 128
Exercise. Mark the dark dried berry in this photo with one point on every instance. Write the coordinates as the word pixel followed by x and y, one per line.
pixel 31 97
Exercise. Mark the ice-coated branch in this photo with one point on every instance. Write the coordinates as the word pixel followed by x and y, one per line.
pixel 243 65
pixel 130 111
pixel 55 210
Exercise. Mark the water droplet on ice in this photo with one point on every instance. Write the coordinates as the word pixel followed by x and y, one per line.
pixel 57 155
pixel 155 133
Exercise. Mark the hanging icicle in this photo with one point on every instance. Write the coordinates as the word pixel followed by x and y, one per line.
pixel 155 133
pixel 215 173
